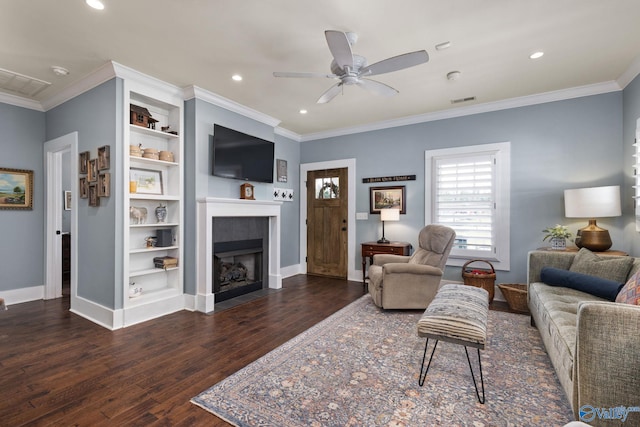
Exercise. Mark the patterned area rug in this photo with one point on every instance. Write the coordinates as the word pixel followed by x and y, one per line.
pixel 360 367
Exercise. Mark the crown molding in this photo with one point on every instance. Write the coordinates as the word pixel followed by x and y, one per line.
pixel 191 92
pixel 149 82
pixel 559 95
pixel 630 74
pixel 19 101
pixel 287 134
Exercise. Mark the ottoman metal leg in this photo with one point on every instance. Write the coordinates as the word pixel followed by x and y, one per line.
pixel 424 376
pixel 474 377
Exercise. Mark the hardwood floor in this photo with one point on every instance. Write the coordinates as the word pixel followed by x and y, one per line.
pixel 61 369
pixel 57 368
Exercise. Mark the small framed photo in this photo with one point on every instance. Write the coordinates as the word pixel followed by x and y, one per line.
pixel 104 158
pixel 147 181
pixel 92 170
pixel 94 200
pixel 83 188
pixel 83 162
pixel 16 189
pixel 387 198
pixel 104 184
pixel 281 167
pixel 67 200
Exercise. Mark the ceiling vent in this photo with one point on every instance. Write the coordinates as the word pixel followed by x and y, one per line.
pixel 459 100
pixel 21 84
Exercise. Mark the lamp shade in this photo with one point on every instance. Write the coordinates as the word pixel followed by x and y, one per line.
pixel 592 202
pixel 389 214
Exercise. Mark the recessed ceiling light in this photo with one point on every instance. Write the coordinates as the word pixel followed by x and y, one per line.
pixel 443 46
pixel 59 71
pixel 536 55
pixel 96 4
pixel 453 75
pixel 303 111
pixel 237 77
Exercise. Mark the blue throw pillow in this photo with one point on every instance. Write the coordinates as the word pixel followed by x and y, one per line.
pixel 603 288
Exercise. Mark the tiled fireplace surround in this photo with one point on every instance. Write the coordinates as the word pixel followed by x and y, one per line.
pixel 210 208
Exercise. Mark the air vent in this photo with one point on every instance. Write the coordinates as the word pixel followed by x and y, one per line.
pixel 459 100
pixel 21 84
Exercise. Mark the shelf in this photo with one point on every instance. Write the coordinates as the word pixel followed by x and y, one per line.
pixel 150 271
pixel 156 225
pixel 146 161
pixel 152 132
pixel 152 249
pixel 137 196
pixel 153 296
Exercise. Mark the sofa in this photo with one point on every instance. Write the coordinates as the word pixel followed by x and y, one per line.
pixel 593 342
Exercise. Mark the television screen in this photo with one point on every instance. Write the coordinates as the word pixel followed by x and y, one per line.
pixel 240 156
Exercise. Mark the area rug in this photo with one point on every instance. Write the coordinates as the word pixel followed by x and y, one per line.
pixel 360 367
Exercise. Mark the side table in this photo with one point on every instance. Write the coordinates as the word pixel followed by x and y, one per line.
pixel 573 249
pixel 369 249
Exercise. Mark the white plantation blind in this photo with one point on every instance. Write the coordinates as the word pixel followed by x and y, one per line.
pixel 467 188
pixel 464 199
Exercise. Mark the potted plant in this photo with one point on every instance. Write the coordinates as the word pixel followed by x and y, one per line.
pixel 558 236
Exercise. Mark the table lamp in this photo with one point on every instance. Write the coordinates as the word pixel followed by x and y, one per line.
pixel 388 215
pixel 592 203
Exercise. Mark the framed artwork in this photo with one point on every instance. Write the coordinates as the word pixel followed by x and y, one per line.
pixel 83 188
pixel 147 181
pixel 16 189
pixel 104 185
pixel 83 161
pixel 281 167
pixel 387 198
pixel 94 200
pixel 67 200
pixel 104 158
pixel 92 170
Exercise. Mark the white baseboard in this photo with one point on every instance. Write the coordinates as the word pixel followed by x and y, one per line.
pixel 17 296
pixel 291 270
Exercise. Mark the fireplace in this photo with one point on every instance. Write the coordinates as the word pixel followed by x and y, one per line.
pixel 237 268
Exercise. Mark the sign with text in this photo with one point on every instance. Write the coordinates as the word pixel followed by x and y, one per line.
pixel 389 179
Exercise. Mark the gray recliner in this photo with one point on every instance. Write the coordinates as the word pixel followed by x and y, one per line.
pixel 411 282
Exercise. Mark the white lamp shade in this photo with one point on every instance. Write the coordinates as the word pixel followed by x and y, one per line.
pixel 389 214
pixel 592 202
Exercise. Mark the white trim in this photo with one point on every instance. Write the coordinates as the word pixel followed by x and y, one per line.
pixel 630 74
pixel 19 101
pixel 291 270
pixel 287 134
pixel 20 295
pixel 541 98
pixel 502 150
pixel 212 98
pixel 350 164
pixel 96 313
pixel 105 73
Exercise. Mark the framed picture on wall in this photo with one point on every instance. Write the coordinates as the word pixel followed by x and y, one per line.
pixel 281 167
pixel 104 158
pixel 94 200
pixel 387 198
pixel 83 161
pixel 147 181
pixel 92 170
pixel 16 189
pixel 104 184
pixel 67 200
pixel 83 188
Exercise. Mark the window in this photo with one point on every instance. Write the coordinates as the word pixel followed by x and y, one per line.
pixel 467 189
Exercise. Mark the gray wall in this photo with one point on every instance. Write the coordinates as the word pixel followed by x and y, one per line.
pixel 22 231
pixel 200 117
pixel 554 146
pixel 97 117
pixel 631 114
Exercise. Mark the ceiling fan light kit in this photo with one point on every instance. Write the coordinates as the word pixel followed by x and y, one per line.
pixel 352 69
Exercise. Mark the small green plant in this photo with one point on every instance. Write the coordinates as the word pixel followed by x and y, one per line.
pixel 557 231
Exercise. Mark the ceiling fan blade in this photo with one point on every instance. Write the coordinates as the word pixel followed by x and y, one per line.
pixel 289 74
pixel 340 48
pixel 396 63
pixel 377 87
pixel 331 93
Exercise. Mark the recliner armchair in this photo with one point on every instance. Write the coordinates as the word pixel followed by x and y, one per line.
pixel 411 282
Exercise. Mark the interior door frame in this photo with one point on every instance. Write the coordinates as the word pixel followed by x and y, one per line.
pixel 350 164
pixel 53 152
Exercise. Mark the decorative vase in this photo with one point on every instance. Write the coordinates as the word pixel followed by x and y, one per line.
pixel 558 243
pixel 161 213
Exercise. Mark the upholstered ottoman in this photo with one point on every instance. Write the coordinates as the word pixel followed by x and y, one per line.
pixel 457 314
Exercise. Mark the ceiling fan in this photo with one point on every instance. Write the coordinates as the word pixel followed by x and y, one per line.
pixel 352 69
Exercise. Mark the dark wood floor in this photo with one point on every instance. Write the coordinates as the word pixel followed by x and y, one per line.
pixel 61 369
pixel 58 368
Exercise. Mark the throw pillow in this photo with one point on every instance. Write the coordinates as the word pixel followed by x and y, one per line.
pixel 630 293
pixel 612 268
pixel 593 285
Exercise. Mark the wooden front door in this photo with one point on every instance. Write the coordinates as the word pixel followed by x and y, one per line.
pixel 327 222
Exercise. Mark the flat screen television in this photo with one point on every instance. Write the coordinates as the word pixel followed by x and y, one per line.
pixel 237 155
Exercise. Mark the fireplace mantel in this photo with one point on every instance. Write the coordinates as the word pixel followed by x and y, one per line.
pixel 209 208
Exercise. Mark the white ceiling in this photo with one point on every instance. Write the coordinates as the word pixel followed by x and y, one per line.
pixel 590 46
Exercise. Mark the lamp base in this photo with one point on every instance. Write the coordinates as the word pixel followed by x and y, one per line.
pixel 594 238
pixel 383 240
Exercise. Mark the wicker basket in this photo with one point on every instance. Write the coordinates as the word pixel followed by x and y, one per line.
pixel 516 296
pixel 480 278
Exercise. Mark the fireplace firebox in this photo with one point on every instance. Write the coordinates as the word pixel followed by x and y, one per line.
pixel 237 268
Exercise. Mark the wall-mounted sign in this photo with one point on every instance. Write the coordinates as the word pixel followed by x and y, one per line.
pixel 389 179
